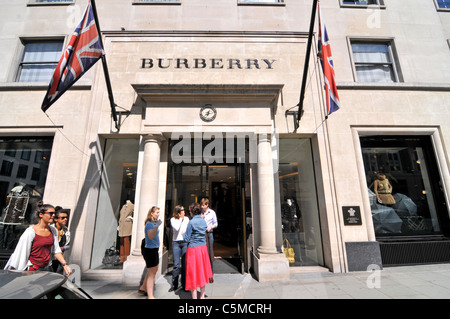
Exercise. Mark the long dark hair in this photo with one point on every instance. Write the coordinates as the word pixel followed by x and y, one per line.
pixel 42 208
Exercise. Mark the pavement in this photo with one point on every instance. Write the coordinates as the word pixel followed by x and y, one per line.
pixel 405 282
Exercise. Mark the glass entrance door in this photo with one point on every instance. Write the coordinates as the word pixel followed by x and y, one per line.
pixel 225 185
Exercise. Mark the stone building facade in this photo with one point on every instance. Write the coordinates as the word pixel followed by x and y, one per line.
pixel 206 96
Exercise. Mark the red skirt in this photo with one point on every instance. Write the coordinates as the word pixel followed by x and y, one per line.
pixel 198 267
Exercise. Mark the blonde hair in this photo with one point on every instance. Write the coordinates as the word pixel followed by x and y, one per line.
pixel 149 215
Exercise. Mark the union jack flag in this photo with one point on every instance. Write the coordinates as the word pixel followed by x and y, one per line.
pixel 326 59
pixel 82 52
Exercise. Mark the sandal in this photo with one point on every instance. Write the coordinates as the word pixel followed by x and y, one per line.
pixel 142 292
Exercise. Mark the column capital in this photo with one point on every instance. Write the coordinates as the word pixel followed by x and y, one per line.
pixel 264 137
pixel 153 137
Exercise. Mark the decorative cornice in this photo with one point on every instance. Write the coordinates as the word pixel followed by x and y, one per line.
pixel 230 92
pixel 206 33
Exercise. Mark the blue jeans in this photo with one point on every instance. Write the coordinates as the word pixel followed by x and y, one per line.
pixel 179 253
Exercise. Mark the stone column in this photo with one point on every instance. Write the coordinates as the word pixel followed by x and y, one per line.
pixel 148 197
pixel 269 263
pixel 266 191
pixel 149 184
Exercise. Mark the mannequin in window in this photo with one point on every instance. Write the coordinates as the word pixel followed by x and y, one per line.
pixel 16 206
pixel 290 215
pixel 125 229
pixel 14 213
pixel 383 189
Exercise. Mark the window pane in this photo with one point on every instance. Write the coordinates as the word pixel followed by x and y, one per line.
pixel 373 62
pixel 7 167
pixel 53 1
pixel 21 190
pixel 371 53
pixel 260 1
pixel 443 4
pixel 299 210
pixel 374 73
pixel 401 186
pixel 42 52
pixel 36 72
pixel 118 184
pixel 39 61
pixel 362 2
pixel 22 171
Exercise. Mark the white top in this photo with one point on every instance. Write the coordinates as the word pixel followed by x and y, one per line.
pixel 211 219
pixel 19 260
pixel 179 227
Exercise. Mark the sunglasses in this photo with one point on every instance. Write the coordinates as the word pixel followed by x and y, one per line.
pixel 65 217
pixel 50 213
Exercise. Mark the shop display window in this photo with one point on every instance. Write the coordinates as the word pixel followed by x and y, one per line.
pixel 24 165
pixel 112 236
pixel 404 186
pixel 299 208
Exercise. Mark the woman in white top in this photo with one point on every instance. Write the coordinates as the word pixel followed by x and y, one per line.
pixel 179 224
pixel 38 244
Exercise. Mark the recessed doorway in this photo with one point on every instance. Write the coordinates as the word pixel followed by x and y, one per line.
pixel 226 185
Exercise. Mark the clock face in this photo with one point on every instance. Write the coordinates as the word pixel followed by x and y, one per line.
pixel 208 113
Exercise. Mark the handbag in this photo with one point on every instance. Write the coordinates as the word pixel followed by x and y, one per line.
pixel 112 257
pixel 289 251
pixel 386 199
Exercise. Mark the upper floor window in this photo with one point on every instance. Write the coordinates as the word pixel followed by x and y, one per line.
pixel 31 2
pixel 443 4
pixel 39 60
pixel 154 1
pixel 374 62
pixel 260 1
pixel 361 2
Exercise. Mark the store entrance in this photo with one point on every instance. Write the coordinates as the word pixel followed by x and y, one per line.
pixel 226 185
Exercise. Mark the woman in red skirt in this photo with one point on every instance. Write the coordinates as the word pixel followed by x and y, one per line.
pixel 198 265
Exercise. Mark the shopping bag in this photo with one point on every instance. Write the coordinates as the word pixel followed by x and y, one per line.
pixel 288 251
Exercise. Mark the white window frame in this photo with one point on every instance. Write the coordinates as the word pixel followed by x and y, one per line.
pixel 156 2
pixel 442 9
pixel 378 4
pixel 261 3
pixel 50 3
pixel 393 57
pixel 21 63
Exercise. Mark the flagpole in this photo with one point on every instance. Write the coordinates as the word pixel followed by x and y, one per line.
pixel 305 68
pixel 105 68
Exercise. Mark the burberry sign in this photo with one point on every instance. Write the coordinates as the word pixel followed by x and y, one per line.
pixel 211 63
